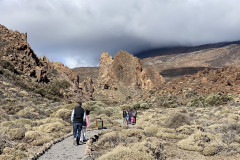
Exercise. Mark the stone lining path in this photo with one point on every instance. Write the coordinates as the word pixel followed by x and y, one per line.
pixel 65 150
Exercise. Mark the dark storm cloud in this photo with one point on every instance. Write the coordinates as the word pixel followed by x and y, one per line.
pixel 76 31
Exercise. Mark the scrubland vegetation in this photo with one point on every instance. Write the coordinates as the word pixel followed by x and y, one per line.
pixel 210 130
pixel 29 122
pixel 168 125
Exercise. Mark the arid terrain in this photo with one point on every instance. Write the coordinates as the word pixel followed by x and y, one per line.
pixel 188 104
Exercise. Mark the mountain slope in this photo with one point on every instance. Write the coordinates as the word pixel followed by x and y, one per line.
pixel 184 63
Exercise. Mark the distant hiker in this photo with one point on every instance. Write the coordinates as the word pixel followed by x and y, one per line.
pixel 127 118
pixel 130 116
pixel 124 116
pixel 135 115
pixel 77 117
pixel 132 120
pixel 84 127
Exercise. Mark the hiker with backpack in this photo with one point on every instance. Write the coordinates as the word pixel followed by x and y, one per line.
pixel 78 117
pixel 124 116
pixel 84 127
pixel 130 114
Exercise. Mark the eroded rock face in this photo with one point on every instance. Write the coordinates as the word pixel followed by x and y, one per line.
pixel 125 75
pixel 15 50
pixel 64 69
pixel 87 87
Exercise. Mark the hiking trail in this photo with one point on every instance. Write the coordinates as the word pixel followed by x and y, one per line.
pixel 66 150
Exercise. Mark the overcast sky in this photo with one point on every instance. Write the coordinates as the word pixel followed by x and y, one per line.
pixel 76 31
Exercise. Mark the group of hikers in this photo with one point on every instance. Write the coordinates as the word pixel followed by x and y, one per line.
pixel 80 123
pixel 130 116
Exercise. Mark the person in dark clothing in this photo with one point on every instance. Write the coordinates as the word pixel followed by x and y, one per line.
pixel 77 117
pixel 135 115
pixel 130 116
pixel 124 116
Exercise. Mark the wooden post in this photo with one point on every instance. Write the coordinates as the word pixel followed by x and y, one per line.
pixel 98 119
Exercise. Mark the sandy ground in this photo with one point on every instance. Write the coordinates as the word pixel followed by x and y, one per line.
pixel 65 150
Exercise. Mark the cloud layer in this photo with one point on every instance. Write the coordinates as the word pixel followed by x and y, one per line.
pixel 76 31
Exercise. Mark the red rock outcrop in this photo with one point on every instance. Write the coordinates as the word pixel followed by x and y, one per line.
pixel 124 75
pixel 15 49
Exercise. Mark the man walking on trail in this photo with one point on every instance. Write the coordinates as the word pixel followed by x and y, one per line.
pixel 77 117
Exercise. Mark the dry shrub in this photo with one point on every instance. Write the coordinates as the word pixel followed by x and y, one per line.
pixel 64 114
pixel 206 143
pixel 17 154
pixel 37 138
pixel 143 106
pixel 27 123
pixel 167 133
pixel 150 148
pixel 93 105
pixel 12 108
pixel 110 139
pixel 16 133
pixel 137 133
pixel 114 138
pixel 28 113
pixel 152 129
pixel 41 140
pixel 185 129
pixel 8 124
pixel 106 111
pixel 52 127
pixel 125 153
pixel 7 157
pixel 31 136
pixel 125 107
pixel 71 106
pixel 24 93
pixel 51 120
pixel 176 120
pixel 3 143
pixel 228 132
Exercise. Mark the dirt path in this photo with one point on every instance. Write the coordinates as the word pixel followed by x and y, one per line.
pixel 66 150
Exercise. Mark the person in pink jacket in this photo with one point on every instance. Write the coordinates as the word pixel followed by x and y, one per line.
pixel 84 127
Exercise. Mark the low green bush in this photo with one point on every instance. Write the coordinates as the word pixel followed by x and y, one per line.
pixel 168 101
pixel 218 99
pixel 197 101
pixel 210 100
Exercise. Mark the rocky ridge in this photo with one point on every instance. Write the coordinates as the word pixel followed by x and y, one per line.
pixel 16 52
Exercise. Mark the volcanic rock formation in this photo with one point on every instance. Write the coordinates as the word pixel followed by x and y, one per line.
pixel 124 76
pixel 15 51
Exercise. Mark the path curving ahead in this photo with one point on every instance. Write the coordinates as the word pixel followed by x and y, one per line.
pixel 65 150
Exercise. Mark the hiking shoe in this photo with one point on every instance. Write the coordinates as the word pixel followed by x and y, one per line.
pixel 80 143
pixel 75 141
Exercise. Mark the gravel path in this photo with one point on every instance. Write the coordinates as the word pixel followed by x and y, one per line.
pixel 65 150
